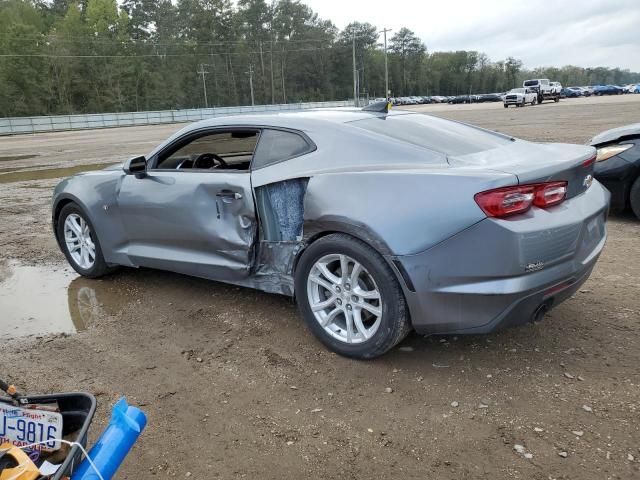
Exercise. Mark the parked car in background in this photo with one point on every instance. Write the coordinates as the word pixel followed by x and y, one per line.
pixel 586 91
pixel 357 214
pixel 618 165
pixel 461 99
pixel 544 88
pixel 556 86
pixel 520 97
pixel 439 99
pixel 600 90
pixel 572 92
pixel 490 97
pixel 636 88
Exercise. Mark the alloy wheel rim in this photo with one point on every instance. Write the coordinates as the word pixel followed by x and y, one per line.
pixel 344 298
pixel 80 244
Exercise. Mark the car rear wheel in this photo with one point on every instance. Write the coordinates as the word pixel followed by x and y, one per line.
pixel 534 101
pixel 634 198
pixel 79 242
pixel 350 298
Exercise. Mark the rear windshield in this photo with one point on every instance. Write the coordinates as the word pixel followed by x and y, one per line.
pixel 434 133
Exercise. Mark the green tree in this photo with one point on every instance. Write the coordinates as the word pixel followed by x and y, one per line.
pixel 409 49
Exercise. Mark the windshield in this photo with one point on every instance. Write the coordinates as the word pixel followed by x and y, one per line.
pixel 530 83
pixel 450 138
pixel 517 90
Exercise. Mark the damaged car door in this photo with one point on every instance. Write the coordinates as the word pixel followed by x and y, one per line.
pixel 192 210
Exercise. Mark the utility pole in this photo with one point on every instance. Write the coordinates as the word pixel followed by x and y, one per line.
pixel 284 91
pixel 273 88
pixel 386 66
pixel 355 80
pixel 203 72
pixel 250 72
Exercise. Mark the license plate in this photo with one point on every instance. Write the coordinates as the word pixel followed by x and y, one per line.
pixel 24 426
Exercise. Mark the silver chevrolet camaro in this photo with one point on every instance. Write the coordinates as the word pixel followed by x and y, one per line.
pixel 376 222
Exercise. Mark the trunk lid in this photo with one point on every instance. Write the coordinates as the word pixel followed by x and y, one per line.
pixel 534 163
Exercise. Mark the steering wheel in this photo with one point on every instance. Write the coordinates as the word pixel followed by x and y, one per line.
pixel 209 160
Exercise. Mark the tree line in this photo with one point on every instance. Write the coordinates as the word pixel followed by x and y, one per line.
pixel 87 56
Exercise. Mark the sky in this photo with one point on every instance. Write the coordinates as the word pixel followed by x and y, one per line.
pixel 586 33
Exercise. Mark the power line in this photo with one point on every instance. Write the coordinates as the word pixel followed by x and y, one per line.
pixel 186 43
pixel 151 55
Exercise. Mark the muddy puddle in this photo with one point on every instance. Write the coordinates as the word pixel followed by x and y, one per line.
pixel 17 175
pixel 37 301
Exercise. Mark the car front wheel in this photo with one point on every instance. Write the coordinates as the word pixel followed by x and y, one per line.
pixel 79 242
pixel 350 298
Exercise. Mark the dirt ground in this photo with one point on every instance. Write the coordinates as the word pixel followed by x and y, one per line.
pixel 236 387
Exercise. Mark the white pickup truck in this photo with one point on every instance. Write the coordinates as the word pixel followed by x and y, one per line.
pixel 520 97
pixel 545 89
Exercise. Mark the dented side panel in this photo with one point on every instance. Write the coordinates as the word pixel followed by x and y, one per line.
pixel 280 207
pixel 189 222
pixel 274 267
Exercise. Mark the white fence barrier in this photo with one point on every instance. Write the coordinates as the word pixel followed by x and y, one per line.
pixel 16 125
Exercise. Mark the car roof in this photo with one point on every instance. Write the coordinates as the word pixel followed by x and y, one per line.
pixel 299 120
pixel 315 121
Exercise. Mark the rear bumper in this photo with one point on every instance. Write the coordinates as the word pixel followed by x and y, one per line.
pixel 499 273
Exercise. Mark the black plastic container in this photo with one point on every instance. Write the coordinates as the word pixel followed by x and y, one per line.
pixel 77 411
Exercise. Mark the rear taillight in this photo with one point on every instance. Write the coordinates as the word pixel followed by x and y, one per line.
pixel 589 161
pixel 506 201
pixel 549 194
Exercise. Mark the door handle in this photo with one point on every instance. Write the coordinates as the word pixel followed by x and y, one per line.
pixel 229 194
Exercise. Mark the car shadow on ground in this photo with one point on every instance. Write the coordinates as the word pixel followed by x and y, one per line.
pixel 207 309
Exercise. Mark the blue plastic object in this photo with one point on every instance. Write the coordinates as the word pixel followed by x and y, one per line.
pixel 108 453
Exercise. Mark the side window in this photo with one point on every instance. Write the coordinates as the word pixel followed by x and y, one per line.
pixel 221 150
pixel 278 145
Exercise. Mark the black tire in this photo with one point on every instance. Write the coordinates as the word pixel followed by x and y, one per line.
pixel 506 106
pixel 556 99
pixel 99 267
pixel 395 324
pixel 634 198
pixel 540 98
pixel 534 101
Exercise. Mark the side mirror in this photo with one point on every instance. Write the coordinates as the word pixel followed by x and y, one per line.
pixel 135 166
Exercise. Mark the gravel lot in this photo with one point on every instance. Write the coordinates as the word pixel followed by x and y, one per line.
pixel 236 387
